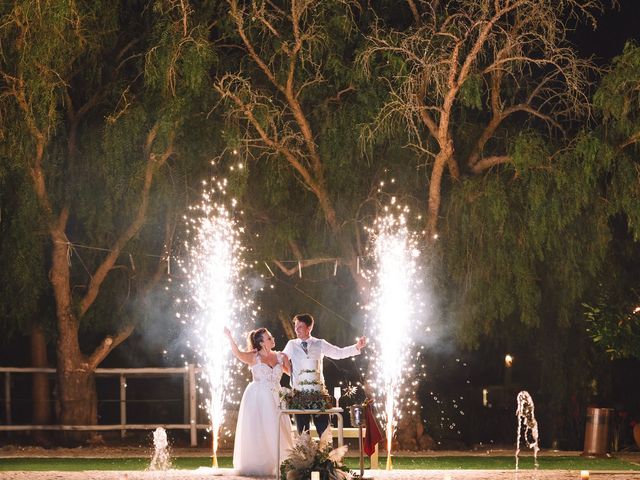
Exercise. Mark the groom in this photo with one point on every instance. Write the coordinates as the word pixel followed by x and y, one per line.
pixel 306 353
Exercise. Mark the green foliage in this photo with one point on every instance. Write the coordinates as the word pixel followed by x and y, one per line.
pixel 106 83
pixel 537 231
pixel 530 151
pixel 615 327
pixel 306 399
pixel 335 101
pixel 618 97
pixel 543 230
pixel 472 92
pixel 178 64
pixel 618 101
pixel 526 244
pixel 24 286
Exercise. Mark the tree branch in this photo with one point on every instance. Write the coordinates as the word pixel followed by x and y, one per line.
pixel 488 162
pixel 633 138
pixel 414 11
pixel 154 162
pixel 107 345
pixel 536 113
pixel 238 17
pixel 246 109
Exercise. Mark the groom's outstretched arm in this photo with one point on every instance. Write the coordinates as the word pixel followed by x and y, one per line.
pixel 338 353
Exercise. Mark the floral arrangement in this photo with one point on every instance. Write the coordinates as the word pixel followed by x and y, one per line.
pixel 305 399
pixel 308 456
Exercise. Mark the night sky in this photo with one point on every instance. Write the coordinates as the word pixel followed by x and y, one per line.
pixel 614 28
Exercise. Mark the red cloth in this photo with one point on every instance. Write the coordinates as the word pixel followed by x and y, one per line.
pixel 373 434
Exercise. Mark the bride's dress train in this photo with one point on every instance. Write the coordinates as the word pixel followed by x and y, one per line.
pixel 254 451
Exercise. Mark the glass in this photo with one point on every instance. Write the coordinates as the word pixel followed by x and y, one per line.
pixel 337 393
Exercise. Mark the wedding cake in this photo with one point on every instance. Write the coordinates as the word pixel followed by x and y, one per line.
pixel 309 375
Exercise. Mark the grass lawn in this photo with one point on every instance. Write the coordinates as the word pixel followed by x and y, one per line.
pixel 408 463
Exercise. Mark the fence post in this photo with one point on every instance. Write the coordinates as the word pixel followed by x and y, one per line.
pixel 185 396
pixel 192 405
pixel 123 405
pixel 7 396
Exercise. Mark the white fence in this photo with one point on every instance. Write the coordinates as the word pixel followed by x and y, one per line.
pixel 190 406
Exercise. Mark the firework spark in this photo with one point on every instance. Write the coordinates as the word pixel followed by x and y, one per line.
pixel 217 296
pixel 393 313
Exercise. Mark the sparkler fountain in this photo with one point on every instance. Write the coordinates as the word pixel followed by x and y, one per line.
pixel 394 313
pixel 217 296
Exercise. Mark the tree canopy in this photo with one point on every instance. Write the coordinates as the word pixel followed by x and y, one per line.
pixel 97 105
pixel 521 156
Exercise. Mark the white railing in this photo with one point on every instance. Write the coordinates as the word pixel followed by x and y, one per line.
pixel 189 390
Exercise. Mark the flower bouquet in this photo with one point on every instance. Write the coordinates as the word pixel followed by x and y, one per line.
pixel 308 456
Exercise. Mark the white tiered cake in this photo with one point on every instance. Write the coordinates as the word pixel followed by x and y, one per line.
pixel 309 375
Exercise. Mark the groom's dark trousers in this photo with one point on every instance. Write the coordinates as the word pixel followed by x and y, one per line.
pixel 320 421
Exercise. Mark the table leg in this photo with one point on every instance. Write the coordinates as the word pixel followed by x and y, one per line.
pixel 340 429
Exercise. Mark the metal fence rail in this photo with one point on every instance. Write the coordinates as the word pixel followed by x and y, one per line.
pixel 189 390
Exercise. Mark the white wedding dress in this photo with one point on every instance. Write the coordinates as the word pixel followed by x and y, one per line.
pixel 254 451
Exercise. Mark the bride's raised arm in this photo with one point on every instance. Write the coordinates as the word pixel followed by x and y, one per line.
pixel 245 357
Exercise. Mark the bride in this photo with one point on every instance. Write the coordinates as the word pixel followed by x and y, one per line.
pixel 254 450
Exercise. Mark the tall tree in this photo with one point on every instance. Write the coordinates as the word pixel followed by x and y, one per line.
pixel 96 97
pixel 521 189
pixel 527 244
pixel 464 69
pixel 294 102
pixel 613 314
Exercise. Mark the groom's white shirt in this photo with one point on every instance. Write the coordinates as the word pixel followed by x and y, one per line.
pixel 317 349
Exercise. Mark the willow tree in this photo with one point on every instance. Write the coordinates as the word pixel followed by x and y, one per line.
pixel 294 102
pixel 611 312
pixel 466 69
pixel 96 98
pixel 521 188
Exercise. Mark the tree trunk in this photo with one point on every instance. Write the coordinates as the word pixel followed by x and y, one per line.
pixel 78 400
pixel 76 383
pixel 410 434
pixel 435 186
pixel 77 394
pixel 77 397
pixel 40 393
